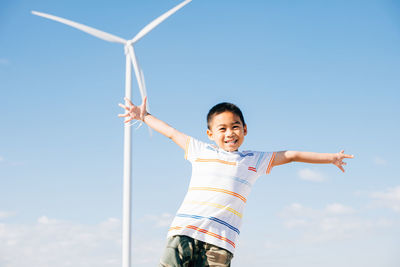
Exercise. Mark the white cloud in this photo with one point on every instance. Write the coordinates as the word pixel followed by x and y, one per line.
pixel 389 198
pixel 379 161
pixel 338 209
pixel 311 175
pixel 50 242
pixel 295 223
pixel 382 222
pixel 333 222
pixel 45 220
pixel 298 210
pixel 6 214
pixel 159 220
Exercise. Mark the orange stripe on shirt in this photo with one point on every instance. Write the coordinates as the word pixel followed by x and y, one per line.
pixel 204 231
pixel 219 190
pixel 175 228
pixel 270 163
pixel 216 160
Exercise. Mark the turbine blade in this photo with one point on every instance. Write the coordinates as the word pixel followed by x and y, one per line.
pixel 158 20
pixel 142 81
pixel 144 87
pixel 92 31
pixel 147 106
pixel 137 71
pixel 140 78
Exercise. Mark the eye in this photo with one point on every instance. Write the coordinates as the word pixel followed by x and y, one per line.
pixel 221 129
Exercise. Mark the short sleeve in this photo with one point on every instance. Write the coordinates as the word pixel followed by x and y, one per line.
pixel 264 162
pixel 193 148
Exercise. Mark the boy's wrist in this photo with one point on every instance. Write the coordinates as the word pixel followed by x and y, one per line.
pixel 145 115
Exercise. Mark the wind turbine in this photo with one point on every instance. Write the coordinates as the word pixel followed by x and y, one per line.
pixel 130 59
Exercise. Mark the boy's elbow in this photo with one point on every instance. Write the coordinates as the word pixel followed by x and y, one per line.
pixel 171 134
pixel 284 157
pixel 291 156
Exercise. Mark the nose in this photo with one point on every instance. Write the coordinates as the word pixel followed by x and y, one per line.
pixel 229 132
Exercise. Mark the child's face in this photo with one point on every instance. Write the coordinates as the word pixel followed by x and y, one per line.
pixel 227 131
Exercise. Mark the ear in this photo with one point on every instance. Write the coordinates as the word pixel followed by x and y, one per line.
pixel 210 134
pixel 245 130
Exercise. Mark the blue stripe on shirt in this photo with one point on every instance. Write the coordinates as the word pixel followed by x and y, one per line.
pixel 239 180
pixel 210 218
pixel 260 159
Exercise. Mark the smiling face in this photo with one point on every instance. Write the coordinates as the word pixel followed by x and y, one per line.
pixel 227 131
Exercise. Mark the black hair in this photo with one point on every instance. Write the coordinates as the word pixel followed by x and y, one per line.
pixel 222 107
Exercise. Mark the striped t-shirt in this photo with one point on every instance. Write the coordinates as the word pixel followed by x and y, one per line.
pixel 221 181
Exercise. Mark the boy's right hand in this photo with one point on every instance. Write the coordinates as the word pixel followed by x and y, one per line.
pixel 133 112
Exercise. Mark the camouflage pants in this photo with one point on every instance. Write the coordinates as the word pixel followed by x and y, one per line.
pixel 184 251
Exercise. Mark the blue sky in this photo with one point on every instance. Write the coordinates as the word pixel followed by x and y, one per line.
pixel 308 75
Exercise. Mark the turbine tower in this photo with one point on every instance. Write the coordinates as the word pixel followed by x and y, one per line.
pixel 130 59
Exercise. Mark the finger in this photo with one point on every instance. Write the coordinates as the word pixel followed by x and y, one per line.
pixel 128 120
pixel 123 106
pixel 348 156
pixel 123 115
pixel 128 100
pixel 341 168
pixel 341 152
pixel 144 110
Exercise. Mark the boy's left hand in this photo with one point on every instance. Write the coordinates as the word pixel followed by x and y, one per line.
pixel 338 159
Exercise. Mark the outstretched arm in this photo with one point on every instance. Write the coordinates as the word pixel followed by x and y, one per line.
pixel 283 157
pixel 140 113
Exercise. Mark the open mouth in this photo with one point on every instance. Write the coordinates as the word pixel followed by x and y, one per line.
pixel 231 142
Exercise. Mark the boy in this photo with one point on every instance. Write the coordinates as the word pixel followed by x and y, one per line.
pixel 206 227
